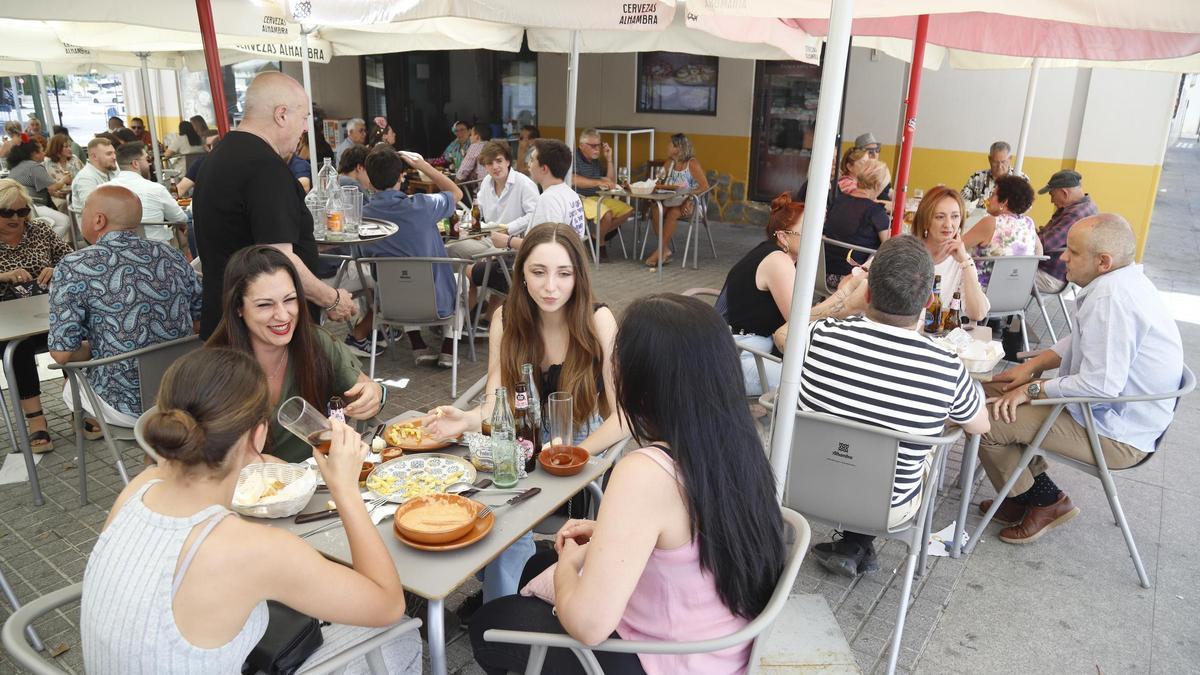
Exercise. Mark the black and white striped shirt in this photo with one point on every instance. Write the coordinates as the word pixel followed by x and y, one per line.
pixel 890 377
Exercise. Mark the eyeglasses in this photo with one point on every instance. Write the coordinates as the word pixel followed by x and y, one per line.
pixel 9 213
pixel 592 145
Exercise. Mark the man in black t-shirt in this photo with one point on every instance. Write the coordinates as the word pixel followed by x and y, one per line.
pixel 246 195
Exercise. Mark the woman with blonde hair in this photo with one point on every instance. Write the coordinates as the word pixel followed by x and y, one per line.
pixel 683 173
pixel 857 218
pixel 938 223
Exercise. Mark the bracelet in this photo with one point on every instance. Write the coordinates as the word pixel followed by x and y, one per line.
pixel 336 302
pixel 968 263
pixel 382 395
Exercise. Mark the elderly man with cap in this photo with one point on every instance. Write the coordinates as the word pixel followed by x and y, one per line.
pixel 981 183
pixel 1071 204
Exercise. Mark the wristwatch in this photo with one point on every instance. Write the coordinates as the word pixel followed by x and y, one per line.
pixel 1034 390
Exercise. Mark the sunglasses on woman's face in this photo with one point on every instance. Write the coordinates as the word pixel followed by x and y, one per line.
pixel 9 213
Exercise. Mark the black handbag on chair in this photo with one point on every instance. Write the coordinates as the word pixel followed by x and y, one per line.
pixel 290 639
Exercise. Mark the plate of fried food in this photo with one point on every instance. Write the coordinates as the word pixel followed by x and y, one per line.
pixel 411 435
pixel 412 476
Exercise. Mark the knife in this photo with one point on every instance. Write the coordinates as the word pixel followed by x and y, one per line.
pixel 523 496
pixel 329 513
pixel 479 485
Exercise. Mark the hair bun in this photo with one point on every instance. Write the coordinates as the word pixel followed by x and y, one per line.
pixel 781 202
pixel 175 434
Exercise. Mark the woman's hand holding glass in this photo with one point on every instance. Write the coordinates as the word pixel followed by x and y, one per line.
pixel 341 466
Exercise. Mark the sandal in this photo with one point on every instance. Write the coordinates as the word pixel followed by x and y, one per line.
pixel 39 441
pixel 654 264
pixel 92 430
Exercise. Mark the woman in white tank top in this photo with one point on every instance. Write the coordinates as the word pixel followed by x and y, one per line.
pixel 174 585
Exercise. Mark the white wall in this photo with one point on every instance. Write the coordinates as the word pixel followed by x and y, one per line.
pixel 1127 117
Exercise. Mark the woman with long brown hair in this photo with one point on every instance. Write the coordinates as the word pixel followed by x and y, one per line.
pixel 266 314
pixel 551 320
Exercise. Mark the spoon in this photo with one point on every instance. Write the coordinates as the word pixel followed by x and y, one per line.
pixel 463 486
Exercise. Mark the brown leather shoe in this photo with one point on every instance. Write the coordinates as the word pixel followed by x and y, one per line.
pixel 1010 512
pixel 1039 519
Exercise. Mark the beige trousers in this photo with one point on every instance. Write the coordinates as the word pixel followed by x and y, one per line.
pixel 1000 449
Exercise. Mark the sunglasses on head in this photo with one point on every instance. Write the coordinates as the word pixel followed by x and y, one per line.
pixel 9 213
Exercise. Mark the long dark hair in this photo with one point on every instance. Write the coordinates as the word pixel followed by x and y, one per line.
pixel 23 151
pixel 701 413
pixel 311 367
pixel 583 365
pixel 209 399
pixel 193 136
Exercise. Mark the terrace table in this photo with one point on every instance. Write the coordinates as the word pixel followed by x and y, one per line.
pixel 19 320
pixel 435 575
pixel 377 230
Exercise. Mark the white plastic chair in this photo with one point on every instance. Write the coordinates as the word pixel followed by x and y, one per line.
pixel 1099 469
pixel 755 632
pixel 32 661
pixel 1010 286
pixel 699 219
pixel 842 473
pixel 152 364
pixel 406 295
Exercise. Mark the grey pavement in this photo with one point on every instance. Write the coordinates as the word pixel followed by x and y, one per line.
pixel 1069 603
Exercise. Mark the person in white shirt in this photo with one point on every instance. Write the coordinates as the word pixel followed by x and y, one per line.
pixel 548 165
pixel 356 134
pixel 504 195
pixel 101 168
pixel 158 206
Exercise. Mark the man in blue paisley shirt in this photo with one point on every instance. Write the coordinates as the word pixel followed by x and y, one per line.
pixel 121 293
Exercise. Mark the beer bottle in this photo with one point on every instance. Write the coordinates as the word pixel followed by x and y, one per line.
pixel 933 311
pixel 476 221
pixel 953 313
pixel 529 437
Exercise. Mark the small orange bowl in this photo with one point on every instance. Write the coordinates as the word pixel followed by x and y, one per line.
pixel 390 453
pixel 563 460
pixel 439 529
pixel 365 471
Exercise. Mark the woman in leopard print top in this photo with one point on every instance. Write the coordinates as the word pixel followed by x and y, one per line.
pixel 29 250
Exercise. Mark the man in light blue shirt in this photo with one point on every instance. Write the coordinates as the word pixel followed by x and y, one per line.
pixel 1125 344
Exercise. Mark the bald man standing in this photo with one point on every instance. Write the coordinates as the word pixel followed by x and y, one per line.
pixel 1125 343
pixel 122 293
pixel 246 195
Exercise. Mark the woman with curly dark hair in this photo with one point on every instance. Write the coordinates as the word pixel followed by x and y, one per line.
pixel 1007 229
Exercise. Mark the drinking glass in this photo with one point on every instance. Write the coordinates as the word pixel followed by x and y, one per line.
pixel 506 463
pixel 299 417
pixel 560 420
pixel 351 209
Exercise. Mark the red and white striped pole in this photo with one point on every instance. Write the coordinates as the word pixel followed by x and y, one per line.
pixel 900 184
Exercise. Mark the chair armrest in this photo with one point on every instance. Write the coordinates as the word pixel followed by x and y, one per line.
pixel 13 634
pixel 846 245
pixel 338 662
pixel 85 365
pixel 758 353
pixel 989 258
pixel 697 292
pixel 498 253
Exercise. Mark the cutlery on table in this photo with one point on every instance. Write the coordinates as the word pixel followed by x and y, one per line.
pixel 515 500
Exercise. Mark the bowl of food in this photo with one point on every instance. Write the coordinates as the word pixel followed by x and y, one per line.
pixel 643 187
pixel 563 460
pixel 367 468
pixel 390 453
pixel 273 490
pixel 437 518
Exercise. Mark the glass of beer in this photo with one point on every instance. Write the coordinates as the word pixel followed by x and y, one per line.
pixel 560 420
pixel 299 417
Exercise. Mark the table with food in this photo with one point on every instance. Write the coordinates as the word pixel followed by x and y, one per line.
pixel 432 500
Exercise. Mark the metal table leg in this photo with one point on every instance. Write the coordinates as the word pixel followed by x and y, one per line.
pixel 30 634
pixel 437 638
pixel 661 226
pixel 966 480
pixel 18 422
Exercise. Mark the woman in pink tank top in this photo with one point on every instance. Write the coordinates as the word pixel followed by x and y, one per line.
pixel 666 559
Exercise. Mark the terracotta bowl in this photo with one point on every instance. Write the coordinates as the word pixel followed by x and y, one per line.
pixel 563 460
pixel 390 453
pixel 365 471
pixel 439 535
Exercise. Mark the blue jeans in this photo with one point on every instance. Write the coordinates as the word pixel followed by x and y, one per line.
pixel 502 576
pixel 750 367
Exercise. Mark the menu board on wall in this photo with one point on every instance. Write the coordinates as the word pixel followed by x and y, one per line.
pixel 676 83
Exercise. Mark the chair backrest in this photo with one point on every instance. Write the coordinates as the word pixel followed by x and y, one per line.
pixel 406 289
pixel 153 364
pixel 1011 281
pixel 1187 383
pixel 13 634
pixel 842 472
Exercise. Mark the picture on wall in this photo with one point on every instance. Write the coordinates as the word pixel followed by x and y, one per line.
pixel 676 83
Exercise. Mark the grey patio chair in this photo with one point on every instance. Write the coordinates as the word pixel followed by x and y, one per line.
pixel 11 595
pixel 755 632
pixel 1010 287
pixel 1039 298
pixel 32 661
pixel 152 364
pixel 502 258
pixel 821 289
pixel 406 295
pixel 720 301
pixel 842 473
pixel 699 218
pixel 1099 469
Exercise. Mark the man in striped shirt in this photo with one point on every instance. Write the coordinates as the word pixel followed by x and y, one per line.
pixel 879 369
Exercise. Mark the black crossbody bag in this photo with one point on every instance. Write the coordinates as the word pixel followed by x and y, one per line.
pixel 290 639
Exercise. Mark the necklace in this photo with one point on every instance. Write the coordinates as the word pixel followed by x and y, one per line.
pixel 279 366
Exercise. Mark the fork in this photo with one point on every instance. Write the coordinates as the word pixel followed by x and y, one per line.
pixel 371 506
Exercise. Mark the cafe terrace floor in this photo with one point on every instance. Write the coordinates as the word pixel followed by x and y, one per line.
pixel 1069 603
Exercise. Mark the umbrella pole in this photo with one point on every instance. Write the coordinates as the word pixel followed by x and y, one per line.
pixel 57 101
pixel 833 83
pixel 910 123
pixel 1027 117
pixel 572 91
pixel 312 123
pixel 48 113
pixel 150 124
pixel 212 61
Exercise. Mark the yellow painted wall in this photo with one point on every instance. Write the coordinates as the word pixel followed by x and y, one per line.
pixel 723 154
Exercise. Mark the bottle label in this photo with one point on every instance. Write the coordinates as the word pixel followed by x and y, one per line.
pixel 522 400
pixel 333 221
pixel 525 447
